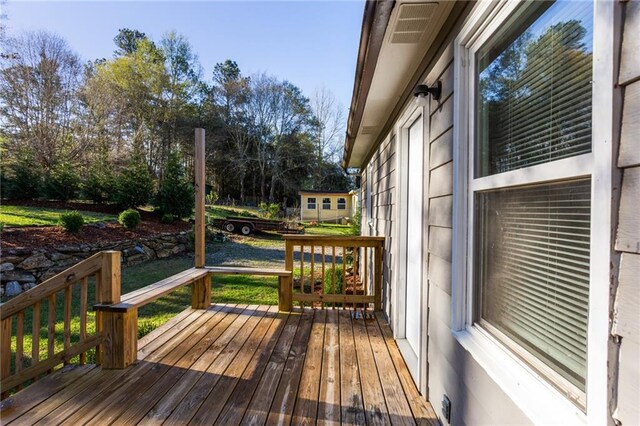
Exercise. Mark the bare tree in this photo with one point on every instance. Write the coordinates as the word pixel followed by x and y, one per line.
pixel 329 127
pixel 40 77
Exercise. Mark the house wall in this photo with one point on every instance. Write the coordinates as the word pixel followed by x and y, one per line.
pixel 378 214
pixel 626 321
pixel 452 370
pixel 329 215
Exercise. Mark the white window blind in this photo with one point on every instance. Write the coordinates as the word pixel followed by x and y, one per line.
pixel 533 246
pixel 535 91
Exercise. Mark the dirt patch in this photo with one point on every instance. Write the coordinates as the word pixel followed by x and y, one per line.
pixel 48 237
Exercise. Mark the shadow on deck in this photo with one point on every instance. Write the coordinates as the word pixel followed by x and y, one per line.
pixel 239 365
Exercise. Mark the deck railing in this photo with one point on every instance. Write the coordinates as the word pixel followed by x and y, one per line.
pixel 334 271
pixel 101 270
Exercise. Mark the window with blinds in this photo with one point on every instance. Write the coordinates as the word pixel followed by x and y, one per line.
pixel 531 243
pixel 533 247
pixel 535 90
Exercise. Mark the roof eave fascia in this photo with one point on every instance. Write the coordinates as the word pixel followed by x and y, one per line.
pixel 374 25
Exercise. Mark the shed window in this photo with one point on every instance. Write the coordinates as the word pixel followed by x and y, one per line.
pixel 326 204
pixel 311 203
pixel 342 203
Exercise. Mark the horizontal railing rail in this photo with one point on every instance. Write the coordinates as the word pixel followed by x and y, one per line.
pixel 335 271
pixel 24 357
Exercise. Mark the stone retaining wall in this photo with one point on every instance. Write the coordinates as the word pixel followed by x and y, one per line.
pixel 22 269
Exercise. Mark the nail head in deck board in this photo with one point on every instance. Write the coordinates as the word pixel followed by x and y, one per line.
pixel 285 395
pixel 375 406
pixel 220 347
pixel 241 396
pixel 117 392
pixel 258 408
pixel 397 404
pixel 329 396
pixel 161 336
pixel 138 392
pixel 220 393
pixel 18 404
pixel 351 390
pixel 204 387
pixel 422 411
pixel 306 406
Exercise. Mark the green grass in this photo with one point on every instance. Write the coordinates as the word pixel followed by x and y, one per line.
pixel 223 212
pixel 37 216
pixel 328 229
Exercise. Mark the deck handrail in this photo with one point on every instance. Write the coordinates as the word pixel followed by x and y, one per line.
pixel 350 270
pixel 105 268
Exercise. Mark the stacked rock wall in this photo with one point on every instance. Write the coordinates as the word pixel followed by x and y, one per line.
pixel 22 269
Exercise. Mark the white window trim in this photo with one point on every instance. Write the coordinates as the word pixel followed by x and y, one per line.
pixel 323 203
pixel 315 203
pixel 538 399
pixel 341 205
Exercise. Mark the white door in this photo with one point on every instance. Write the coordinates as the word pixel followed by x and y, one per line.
pixel 414 238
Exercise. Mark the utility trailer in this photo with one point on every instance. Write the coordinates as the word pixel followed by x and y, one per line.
pixel 247 225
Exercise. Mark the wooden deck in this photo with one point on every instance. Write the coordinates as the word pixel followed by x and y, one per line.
pixel 239 365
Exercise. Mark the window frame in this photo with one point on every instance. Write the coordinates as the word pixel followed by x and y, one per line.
pixel 314 202
pixel 341 205
pixel 326 201
pixel 540 400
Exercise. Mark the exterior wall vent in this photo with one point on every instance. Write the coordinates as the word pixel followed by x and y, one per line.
pixel 412 22
pixel 368 130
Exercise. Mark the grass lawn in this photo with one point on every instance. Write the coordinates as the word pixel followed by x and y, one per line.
pixel 37 216
pixel 223 212
pixel 328 229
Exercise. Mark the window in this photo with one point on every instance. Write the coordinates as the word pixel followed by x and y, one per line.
pixel 326 204
pixel 529 188
pixel 311 203
pixel 342 203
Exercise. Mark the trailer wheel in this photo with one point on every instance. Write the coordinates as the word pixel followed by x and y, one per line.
pixel 229 227
pixel 245 229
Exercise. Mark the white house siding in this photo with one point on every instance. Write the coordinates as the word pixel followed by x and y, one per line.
pixel 382 183
pixel 626 323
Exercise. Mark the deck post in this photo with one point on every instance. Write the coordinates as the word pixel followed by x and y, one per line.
pixel 285 283
pixel 201 293
pixel 200 194
pixel 120 329
pixel 377 278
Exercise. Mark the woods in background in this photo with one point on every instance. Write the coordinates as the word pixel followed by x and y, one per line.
pixel 109 130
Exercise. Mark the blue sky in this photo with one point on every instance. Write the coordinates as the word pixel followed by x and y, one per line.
pixel 310 43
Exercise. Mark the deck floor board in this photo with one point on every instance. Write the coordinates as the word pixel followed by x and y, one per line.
pixel 239 365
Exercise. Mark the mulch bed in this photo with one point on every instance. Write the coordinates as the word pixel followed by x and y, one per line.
pixel 47 237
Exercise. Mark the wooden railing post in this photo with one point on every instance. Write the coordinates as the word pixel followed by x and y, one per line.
pixel 5 348
pixel 199 194
pixel 201 293
pixel 285 284
pixel 377 279
pixel 120 329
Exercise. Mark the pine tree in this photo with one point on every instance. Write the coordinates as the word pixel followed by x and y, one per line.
pixel 176 192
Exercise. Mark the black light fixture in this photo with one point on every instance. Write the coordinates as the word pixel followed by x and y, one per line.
pixel 422 90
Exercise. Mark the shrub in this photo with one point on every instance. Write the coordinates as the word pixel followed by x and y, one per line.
pixel 24 180
pixel 71 221
pixel 129 218
pixel 328 286
pixel 1 226
pixel 62 182
pixel 211 197
pixel 271 211
pixel 176 192
pixel 100 184
pixel 356 221
pixel 134 185
pixel 167 218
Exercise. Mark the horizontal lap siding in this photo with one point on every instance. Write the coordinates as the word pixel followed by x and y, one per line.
pixel 626 321
pixel 380 176
pixel 452 370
